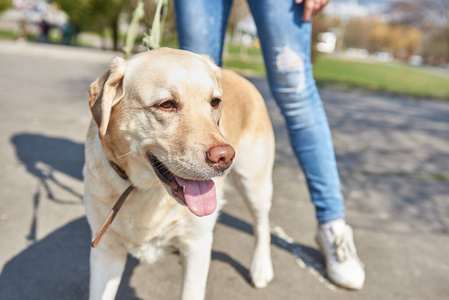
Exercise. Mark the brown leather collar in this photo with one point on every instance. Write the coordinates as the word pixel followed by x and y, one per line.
pixel 114 211
pixel 118 170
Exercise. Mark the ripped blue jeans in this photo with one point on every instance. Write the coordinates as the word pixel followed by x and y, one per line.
pixel 286 44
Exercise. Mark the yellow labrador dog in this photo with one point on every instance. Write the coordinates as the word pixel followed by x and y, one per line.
pixel 178 128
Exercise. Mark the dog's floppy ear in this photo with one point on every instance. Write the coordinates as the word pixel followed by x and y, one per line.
pixel 105 92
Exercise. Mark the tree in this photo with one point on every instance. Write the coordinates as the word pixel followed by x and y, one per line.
pixel 94 15
pixel 423 13
pixel 356 33
pixel 4 5
pixel 79 11
pixel 396 41
pixel 432 17
pixel 413 40
pixel 107 14
pixel 379 36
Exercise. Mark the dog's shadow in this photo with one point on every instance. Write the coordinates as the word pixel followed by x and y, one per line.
pixel 57 267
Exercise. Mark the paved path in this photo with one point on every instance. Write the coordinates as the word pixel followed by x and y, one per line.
pixel 393 156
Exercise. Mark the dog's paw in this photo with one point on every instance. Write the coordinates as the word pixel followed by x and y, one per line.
pixel 261 273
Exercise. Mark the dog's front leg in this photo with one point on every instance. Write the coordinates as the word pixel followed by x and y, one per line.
pixel 196 256
pixel 106 268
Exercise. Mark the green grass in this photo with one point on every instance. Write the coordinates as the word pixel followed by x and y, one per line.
pixel 7 34
pixel 235 49
pixel 393 77
pixel 247 61
pixel 256 67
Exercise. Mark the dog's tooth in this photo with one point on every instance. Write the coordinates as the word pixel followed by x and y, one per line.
pixel 183 188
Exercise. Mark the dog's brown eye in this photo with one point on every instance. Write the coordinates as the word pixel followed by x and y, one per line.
pixel 215 102
pixel 169 105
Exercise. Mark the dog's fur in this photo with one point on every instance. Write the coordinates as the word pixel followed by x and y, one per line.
pixel 133 122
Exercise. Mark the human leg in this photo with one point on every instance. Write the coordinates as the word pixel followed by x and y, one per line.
pixel 286 45
pixel 201 26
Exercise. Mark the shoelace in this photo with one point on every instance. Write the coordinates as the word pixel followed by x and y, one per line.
pixel 344 249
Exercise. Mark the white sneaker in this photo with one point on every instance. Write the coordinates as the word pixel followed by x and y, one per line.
pixel 344 267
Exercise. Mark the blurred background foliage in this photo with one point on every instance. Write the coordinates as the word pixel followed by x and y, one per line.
pixel 4 5
pixel 399 46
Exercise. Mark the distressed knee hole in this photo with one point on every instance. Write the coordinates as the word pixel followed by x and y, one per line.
pixel 289 63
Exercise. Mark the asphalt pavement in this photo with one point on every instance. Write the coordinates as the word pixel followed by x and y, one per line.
pixel 393 158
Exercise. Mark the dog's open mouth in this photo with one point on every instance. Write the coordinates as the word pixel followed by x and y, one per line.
pixel 199 195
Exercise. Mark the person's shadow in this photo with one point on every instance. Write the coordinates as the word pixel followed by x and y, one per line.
pixel 57 267
pixel 42 156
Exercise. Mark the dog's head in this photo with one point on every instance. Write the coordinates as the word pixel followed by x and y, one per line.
pixel 157 115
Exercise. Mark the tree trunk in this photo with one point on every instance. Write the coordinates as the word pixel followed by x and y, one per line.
pixel 115 33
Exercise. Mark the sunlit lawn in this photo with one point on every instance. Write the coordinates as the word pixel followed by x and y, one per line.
pixel 393 77
pixel 398 78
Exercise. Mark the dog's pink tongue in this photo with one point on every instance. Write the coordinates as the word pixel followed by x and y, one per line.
pixel 200 196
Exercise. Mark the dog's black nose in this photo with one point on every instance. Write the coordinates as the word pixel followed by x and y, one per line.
pixel 220 157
